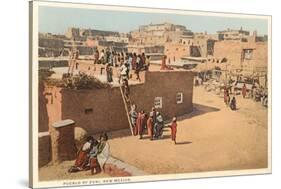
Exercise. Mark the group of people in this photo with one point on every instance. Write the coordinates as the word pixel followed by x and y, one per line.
pixel 231 102
pixel 124 61
pixel 152 123
pixel 92 155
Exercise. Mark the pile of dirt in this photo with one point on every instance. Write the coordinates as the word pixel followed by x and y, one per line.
pixel 83 81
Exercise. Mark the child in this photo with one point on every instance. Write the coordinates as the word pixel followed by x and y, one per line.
pixel 173 127
pixel 81 161
pixel 93 161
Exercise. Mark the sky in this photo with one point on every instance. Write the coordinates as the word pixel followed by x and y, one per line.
pixel 57 19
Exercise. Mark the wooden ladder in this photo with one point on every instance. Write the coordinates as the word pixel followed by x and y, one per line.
pixel 126 104
pixel 71 66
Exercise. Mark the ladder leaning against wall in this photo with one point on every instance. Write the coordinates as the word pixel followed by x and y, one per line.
pixel 127 104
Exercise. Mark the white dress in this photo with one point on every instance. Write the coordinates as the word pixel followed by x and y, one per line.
pixel 103 156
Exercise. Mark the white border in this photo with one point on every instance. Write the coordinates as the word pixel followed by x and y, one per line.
pixel 34 96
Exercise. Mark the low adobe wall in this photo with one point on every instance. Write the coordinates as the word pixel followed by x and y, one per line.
pixel 44 148
pixel 95 110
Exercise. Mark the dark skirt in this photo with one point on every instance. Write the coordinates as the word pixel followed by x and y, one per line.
pixel 82 159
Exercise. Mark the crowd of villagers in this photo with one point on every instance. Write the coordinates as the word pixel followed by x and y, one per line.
pixel 151 124
pixel 124 61
pixel 92 155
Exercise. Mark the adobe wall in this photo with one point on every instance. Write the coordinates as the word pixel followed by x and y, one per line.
pixel 43 113
pixel 165 85
pixel 108 111
pixel 49 107
pixel 233 49
pixel 175 51
pixel 99 110
pixel 44 148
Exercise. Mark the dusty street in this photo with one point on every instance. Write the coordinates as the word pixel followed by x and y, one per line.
pixel 211 138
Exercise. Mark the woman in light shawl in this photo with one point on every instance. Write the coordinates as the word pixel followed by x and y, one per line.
pixel 103 150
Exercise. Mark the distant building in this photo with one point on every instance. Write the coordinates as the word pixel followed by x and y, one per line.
pixel 231 34
pixel 159 34
pixel 82 34
pixel 50 46
pixel 247 59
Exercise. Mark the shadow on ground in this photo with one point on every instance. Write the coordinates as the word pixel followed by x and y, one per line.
pixel 184 142
pixel 198 109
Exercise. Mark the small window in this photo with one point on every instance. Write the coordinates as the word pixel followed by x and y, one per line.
pixel 88 111
pixel 248 53
pixel 158 102
pixel 179 98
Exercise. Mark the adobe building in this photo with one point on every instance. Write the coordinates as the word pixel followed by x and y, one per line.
pixel 175 51
pixel 242 54
pixel 159 34
pixel 49 45
pixel 80 33
pixel 247 58
pixel 232 34
pixel 99 110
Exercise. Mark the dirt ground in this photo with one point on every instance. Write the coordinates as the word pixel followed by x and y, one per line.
pixel 60 172
pixel 211 138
